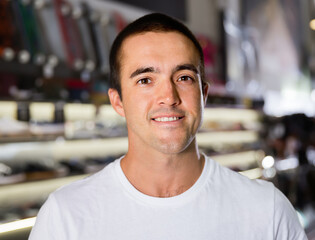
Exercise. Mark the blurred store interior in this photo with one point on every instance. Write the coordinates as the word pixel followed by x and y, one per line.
pixel 56 124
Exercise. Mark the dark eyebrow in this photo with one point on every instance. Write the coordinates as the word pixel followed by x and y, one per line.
pixel 187 66
pixel 143 70
pixel 180 67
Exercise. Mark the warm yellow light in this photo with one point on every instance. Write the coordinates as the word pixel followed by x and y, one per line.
pixel 16 225
pixel 312 24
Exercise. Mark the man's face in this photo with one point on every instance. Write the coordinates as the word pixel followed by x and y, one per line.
pixel 162 98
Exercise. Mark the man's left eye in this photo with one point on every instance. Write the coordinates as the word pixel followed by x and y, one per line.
pixel 185 78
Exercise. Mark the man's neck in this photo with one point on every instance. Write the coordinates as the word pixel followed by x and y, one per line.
pixel 163 175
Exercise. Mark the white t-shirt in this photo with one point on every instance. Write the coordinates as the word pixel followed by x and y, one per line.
pixel 221 205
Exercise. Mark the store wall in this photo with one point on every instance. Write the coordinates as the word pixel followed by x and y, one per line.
pixel 203 17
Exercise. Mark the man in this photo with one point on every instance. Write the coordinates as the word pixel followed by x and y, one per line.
pixel 163 188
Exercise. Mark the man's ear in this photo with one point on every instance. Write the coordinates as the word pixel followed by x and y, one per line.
pixel 205 91
pixel 116 101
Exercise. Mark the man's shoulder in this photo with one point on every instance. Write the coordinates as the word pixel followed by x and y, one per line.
pixel 249 199
pixel 89 185
pixel 239 195
pixel 238 184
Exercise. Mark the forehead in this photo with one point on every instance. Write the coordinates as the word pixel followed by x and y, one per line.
pixel 161 46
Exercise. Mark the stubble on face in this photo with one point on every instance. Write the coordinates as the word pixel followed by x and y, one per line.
pixel 140 104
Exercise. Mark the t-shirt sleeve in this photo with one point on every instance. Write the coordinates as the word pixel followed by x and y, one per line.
pixel 48 224
pixel 286 222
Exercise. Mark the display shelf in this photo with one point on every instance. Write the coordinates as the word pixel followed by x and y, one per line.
pixel 22 193
pixel 225 114
pixel 27 137
pixel 241 125
pixel 57 147
pixel 95 148
pixel 242 160
pixel 61 150
pixel 16 68
pixel 209 139
pixel 33 70
pixel 61 71
pixel 17 194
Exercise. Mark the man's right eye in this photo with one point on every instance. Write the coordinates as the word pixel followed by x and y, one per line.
pixel 144 81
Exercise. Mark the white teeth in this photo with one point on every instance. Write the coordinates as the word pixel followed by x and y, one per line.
pixel 166 119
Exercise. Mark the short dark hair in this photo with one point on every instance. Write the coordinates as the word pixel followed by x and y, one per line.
pixel 154 22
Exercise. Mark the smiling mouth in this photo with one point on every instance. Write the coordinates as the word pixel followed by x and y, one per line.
pixel 166 119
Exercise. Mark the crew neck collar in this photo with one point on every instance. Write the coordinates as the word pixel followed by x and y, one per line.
pixel 158 201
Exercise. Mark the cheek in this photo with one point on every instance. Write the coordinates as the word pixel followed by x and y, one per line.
pixel 135 106
pixel 193 99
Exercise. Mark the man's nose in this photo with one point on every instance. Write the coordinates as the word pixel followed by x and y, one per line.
pixel 168 93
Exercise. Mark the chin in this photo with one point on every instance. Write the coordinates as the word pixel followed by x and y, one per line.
pixel 173 147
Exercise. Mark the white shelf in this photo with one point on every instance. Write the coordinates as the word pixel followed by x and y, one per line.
pixel 240 159
pixel 208 139
pixel 97 148
pixel 32 192
pixel 80 111
pixel 231 115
